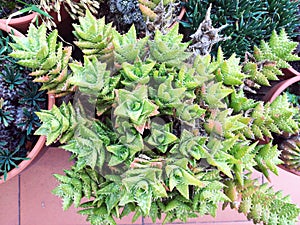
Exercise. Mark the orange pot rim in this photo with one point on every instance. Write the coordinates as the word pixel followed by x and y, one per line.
pixel 277 89
pixel 22 19
pixel 9 29
pixel 20 23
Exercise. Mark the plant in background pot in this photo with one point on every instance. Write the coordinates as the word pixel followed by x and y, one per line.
pixel 147 16
pixel 58 9
pixel 18 14
pixel 54 13
pixel 248 22
pixel 155 129
pixel 161 15
pixel 19 100
pixel 288 140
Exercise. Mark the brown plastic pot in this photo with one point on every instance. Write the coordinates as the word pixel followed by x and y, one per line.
pixel 20 23
pixel 64 26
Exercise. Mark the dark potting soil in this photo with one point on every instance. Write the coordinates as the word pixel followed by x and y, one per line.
pixel 295 65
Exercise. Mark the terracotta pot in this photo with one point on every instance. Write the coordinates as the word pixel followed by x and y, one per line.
pixel 289 73
pixel 33 153
pixel 277 89
pixel 9 29
pixel 20 23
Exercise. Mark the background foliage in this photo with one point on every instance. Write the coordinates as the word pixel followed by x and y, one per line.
pixel 249 21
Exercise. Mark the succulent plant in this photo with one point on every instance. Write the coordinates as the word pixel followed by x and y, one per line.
pixel 48 58
pixel 206 35
pixel 126 49
pixel 148 7
pixel 259 202
pixel 94 37
pixel 260 67
pixel 9 159
pixel 248 23
pixel 11 82
pixel 161 131
pixel 146 15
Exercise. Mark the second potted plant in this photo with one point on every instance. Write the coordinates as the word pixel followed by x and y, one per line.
pixel 19 99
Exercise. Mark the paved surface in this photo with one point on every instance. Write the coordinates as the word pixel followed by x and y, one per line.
pixel 27 199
